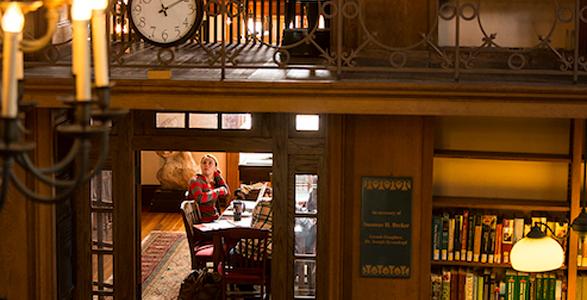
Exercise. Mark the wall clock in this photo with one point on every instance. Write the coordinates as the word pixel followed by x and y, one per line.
pixel 165 23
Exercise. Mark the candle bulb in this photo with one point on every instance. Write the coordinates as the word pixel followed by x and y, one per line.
pixel 81 13
pixel 99 43
pixel 12 24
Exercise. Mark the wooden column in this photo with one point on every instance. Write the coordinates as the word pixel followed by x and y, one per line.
pixel 126 269
pixel 577 142
pixel 385 146
pixel 41 219
pixel 426 208
pixel 281 273
pixel 333 210
pixel 83 241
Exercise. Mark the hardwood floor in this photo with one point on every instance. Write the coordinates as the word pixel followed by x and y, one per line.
pixel 160 221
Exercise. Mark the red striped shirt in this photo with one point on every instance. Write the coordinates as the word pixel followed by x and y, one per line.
pixel 207 194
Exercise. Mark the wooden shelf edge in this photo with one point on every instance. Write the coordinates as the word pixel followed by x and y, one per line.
pixel 500 204
pixel 502 155
pixel 468 264
pixel 478 264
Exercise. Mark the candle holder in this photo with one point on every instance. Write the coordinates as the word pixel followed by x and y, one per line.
pixel 89 120
pixel 14 149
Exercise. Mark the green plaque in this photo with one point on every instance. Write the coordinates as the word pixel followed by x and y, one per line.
pixel 386 227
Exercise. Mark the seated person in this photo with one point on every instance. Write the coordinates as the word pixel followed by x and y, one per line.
pixel 207 187
pixel 262 218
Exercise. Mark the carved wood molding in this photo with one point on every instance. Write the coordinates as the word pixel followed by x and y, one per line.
pixel 409 98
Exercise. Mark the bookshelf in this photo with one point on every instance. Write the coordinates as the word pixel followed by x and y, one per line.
pixel 488 197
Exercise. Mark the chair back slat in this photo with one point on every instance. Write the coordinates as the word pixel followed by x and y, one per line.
pixel 190 215
pixel 250 245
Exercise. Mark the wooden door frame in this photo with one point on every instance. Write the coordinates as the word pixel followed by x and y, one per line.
pixel 275 137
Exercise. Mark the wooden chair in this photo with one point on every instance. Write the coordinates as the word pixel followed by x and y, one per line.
pixel 201 247
pixel 243 258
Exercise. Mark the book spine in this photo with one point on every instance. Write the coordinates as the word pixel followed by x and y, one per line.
pixel 497 247
pixel 492 238
pixel 507 239
pixel 464 235
pixel 469 286
pixel 445 229
pixel 478 235
pixel 457 236
pixel 451 238
pixel 446 284
pixel 436 237
pixel 471 237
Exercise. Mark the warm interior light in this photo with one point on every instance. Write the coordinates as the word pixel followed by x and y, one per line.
pixel 100 4
pixel 537 253
pixel 307 122
pixel 81 10
pixel 13 20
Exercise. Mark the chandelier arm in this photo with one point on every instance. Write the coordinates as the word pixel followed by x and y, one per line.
pixel 61 164
pixel 104 148
pixel 41 198
pixel 64 195
pixel 6 170
pixel 43 41
pixel 25 162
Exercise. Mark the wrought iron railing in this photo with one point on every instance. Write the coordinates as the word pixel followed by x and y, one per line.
pixel 453 39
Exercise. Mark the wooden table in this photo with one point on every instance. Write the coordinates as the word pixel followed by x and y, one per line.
pixel 226 220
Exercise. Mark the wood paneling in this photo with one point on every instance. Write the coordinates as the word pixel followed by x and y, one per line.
pixel 386 146
pixel 332 210
pixel 42 217
pixel 125 214
pixel 577 144
pixel 14 263
pixel 282 247
pixel 456 99
pixel 232 173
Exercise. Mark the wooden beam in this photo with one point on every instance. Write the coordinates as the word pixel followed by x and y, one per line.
pixel 459 99
pixel 126 239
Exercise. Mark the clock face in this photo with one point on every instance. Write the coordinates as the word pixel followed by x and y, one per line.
pixel 165 22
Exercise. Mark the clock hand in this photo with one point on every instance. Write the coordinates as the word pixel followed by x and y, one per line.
pixel 174 4
pixel 163 9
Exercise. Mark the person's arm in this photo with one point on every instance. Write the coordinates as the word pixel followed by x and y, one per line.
pixel 219 181
pixel 197 190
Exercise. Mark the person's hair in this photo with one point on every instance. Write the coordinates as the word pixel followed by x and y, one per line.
pixel 210 156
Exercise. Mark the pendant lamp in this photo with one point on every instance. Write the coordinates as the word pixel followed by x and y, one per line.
pixel 537 252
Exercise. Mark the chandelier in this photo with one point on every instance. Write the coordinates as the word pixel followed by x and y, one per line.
pixel 90 118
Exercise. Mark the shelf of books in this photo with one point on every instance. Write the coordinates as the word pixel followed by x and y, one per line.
pixel 463 283
pixel 470 255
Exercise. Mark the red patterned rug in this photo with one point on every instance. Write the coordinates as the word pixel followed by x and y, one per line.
pixel 165 262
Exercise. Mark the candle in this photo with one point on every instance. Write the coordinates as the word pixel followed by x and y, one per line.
pixel 12 24
pixel 100 48
pixel 19 60
pixel 81 13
